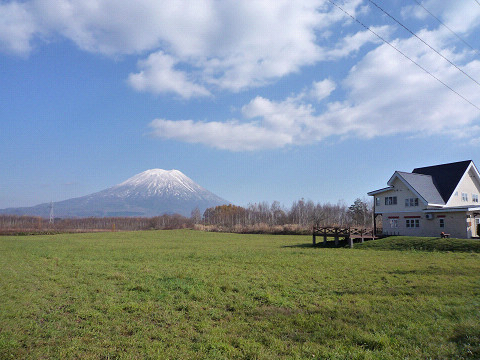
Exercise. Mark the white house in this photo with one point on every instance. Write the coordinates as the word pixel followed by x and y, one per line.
pixel 431 200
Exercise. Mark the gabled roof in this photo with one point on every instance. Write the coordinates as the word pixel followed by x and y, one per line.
pixel 433 184
pixel 445 177
pixel 423 185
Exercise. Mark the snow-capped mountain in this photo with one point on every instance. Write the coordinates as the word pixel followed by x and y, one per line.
pixel 158 182
pixel 150 193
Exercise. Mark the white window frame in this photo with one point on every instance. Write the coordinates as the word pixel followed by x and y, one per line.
pixel 393 223
pixel 464 197
pixel 410 202
pixel 412 223
pixel 378 201
pixel 390 200
pixel 475 198
pixel 442 222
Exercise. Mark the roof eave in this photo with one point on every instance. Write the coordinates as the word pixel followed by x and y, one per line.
pixel 375 192
pixel 453 209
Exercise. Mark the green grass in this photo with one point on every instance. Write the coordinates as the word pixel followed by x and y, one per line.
pixel 423 244
pixel 193 295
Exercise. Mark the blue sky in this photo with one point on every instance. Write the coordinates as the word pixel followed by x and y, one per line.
pixel 255 101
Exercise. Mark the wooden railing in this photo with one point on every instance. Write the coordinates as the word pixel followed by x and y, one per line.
pixel 347 233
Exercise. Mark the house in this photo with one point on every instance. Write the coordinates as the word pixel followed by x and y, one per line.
pixel 431 200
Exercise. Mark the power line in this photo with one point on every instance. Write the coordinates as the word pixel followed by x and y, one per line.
pixel 453 32
pixel 406 56
pixel 423 41
pixel 477 2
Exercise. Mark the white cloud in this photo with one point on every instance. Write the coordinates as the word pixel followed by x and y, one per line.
pixel 269 125
pixel 223 45
pixel 158 75
pixel 352 43
pixel 322 89
pixel 461 16
pixel 386 95
pixel 17 27
pixel 230 135
pixel 196 48
pixel 240 45
pixel 108 27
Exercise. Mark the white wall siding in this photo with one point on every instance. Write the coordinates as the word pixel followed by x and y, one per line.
pixel 455 224
pixel 469 185
pixel 402 192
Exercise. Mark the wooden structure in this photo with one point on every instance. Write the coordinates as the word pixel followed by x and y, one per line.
pixel 346 233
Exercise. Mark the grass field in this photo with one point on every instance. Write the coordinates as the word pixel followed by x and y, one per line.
pixel 194 295
pixel 423 244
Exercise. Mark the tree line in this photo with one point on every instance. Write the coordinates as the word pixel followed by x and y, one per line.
pixel 14 224
pixel 301 216
pixel 258 217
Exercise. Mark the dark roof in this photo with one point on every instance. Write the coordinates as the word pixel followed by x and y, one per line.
pixel 424 186
pixel 446 176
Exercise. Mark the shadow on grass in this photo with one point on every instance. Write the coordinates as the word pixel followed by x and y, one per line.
pixel 467 339
pixel 328 245
pixel 411 243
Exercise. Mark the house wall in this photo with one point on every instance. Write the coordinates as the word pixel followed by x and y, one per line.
pixel 455 224
pixel 468 185
pixel 402 192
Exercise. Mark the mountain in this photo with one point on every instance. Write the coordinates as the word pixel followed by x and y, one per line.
pixel 150 193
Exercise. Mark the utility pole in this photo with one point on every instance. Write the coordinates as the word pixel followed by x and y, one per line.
pixel 52 217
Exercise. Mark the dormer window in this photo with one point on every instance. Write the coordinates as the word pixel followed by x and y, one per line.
pixel 411 202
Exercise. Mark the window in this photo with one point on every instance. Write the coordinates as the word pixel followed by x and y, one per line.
pixel 412 223
pixel 442 223
pixel 475 198
pixel 390 200
pixel 394 223
pixel 411 202
pixel 456 193
pixel 377 201
pixel 464 197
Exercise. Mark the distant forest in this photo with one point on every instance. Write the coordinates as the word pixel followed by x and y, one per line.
pixel 260 217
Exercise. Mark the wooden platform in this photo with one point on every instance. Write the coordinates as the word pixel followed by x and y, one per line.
pixel 349 234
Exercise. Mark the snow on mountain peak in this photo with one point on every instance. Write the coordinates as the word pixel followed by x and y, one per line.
pixel 158 182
